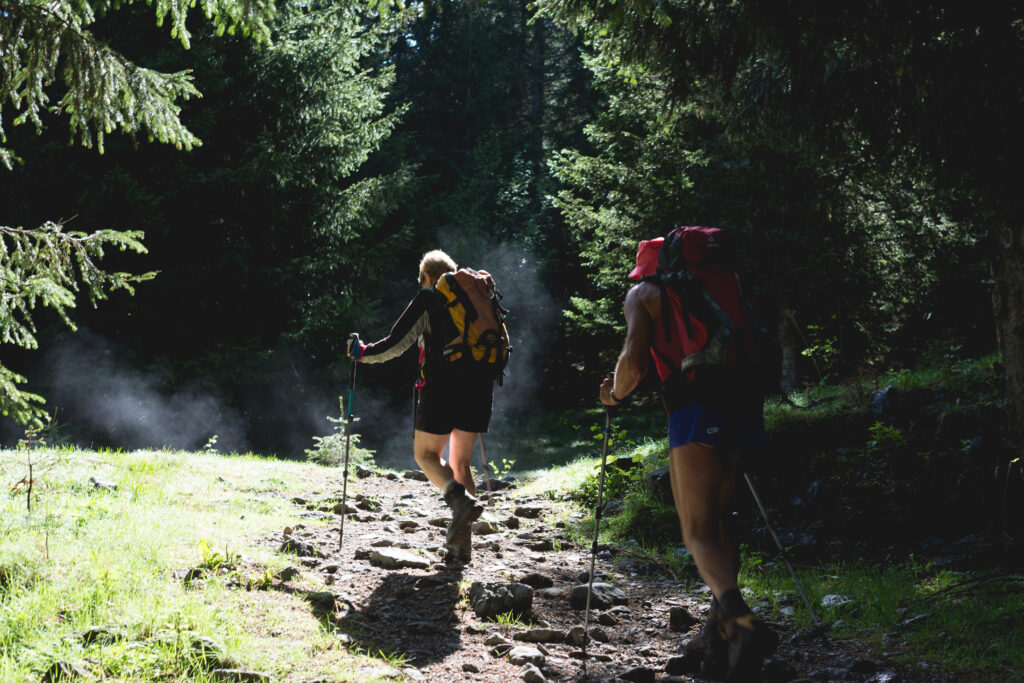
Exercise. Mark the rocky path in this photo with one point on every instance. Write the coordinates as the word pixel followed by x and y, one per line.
pixel 389 589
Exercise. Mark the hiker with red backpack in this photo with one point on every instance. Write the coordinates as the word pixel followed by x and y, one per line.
pixel 457 322
pixel 688 312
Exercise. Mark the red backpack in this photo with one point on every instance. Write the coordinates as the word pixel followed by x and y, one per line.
pixel 706 315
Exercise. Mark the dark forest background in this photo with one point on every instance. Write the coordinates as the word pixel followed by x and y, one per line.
pixel 864 156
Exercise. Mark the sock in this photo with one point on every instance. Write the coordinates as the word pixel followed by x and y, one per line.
pixel 733 604
pixel 449 485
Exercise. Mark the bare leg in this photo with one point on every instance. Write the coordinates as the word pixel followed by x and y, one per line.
pixel 700 479
pixel 427 449
pixel 460 455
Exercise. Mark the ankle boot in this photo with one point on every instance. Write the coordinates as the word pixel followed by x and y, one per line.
pixel 466 509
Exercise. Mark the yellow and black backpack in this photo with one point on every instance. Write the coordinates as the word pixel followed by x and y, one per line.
pixel 473 302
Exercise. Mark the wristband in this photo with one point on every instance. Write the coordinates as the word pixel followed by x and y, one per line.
pixel 617 399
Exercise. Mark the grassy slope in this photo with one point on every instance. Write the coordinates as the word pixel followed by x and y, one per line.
pixel 87 558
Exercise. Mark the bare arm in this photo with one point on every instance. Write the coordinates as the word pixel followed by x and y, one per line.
pixel 634 360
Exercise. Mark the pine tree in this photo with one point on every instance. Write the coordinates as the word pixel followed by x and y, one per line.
pixel 100 91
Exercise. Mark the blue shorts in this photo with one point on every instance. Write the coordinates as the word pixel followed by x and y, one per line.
pixel 736 429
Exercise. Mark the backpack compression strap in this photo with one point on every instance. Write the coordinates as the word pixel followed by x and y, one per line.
pixel 717 347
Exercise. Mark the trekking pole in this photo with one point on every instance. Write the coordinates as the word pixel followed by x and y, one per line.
pixel 483 456
pixel 597 527
pixel 348 440
pixel 785 557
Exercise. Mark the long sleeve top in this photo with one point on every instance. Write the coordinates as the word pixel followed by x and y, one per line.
pixel 424 322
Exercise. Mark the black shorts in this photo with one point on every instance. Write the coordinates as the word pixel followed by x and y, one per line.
pixel 445 404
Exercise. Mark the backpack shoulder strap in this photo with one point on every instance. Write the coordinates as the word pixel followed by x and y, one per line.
pixel 666 306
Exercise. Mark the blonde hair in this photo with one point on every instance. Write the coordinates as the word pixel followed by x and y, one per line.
pixel 436 263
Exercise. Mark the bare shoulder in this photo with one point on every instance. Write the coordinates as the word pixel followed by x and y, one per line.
pixel 644 296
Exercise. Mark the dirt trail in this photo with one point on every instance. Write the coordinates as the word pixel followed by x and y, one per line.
pixel 422 612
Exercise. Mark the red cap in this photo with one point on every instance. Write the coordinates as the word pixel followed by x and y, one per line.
pixel 646 259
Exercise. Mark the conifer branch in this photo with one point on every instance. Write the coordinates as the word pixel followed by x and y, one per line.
pixel 49 267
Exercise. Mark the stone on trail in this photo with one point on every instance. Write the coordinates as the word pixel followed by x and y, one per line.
pixel 392 558
pixel 680 619
pixel 298 547
pixel 556 593
pixel 531 674
pixel 483 528
pixel 640 674
pixel 530 511
pixel 497 639
pixel 415 475
pixel 512 522
pixel 537 580
pixel 540 635
pixel 470 667
pixel 288 573
pixel 337 509
pixel 685 664
pixel 524 654
pixel 604 596
pixel 489 600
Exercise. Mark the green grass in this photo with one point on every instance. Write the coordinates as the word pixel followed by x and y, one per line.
pixel 88 558
pixel 958 623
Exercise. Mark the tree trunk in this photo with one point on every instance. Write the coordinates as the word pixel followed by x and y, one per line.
pixel 790 348
pixel 1008 301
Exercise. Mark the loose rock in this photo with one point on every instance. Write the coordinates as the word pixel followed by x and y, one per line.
pixel 391 558
pixel 540 635
pixel 537 580
pixel 531 674
pixel 530 511
pixel 680 619
pixel 298 547
pixel 523 654
pixel 489 600
pixel 604 595
pixel 640 674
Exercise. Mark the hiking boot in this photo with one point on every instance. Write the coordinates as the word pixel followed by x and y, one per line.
pixel 710 644
pixel 459 549
pixel 750 641
pixel 466 509
pixel 710 638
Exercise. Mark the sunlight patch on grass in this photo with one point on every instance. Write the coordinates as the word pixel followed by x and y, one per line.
pixel 93 556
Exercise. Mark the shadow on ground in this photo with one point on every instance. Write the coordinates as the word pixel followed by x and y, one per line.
pixel 408 616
